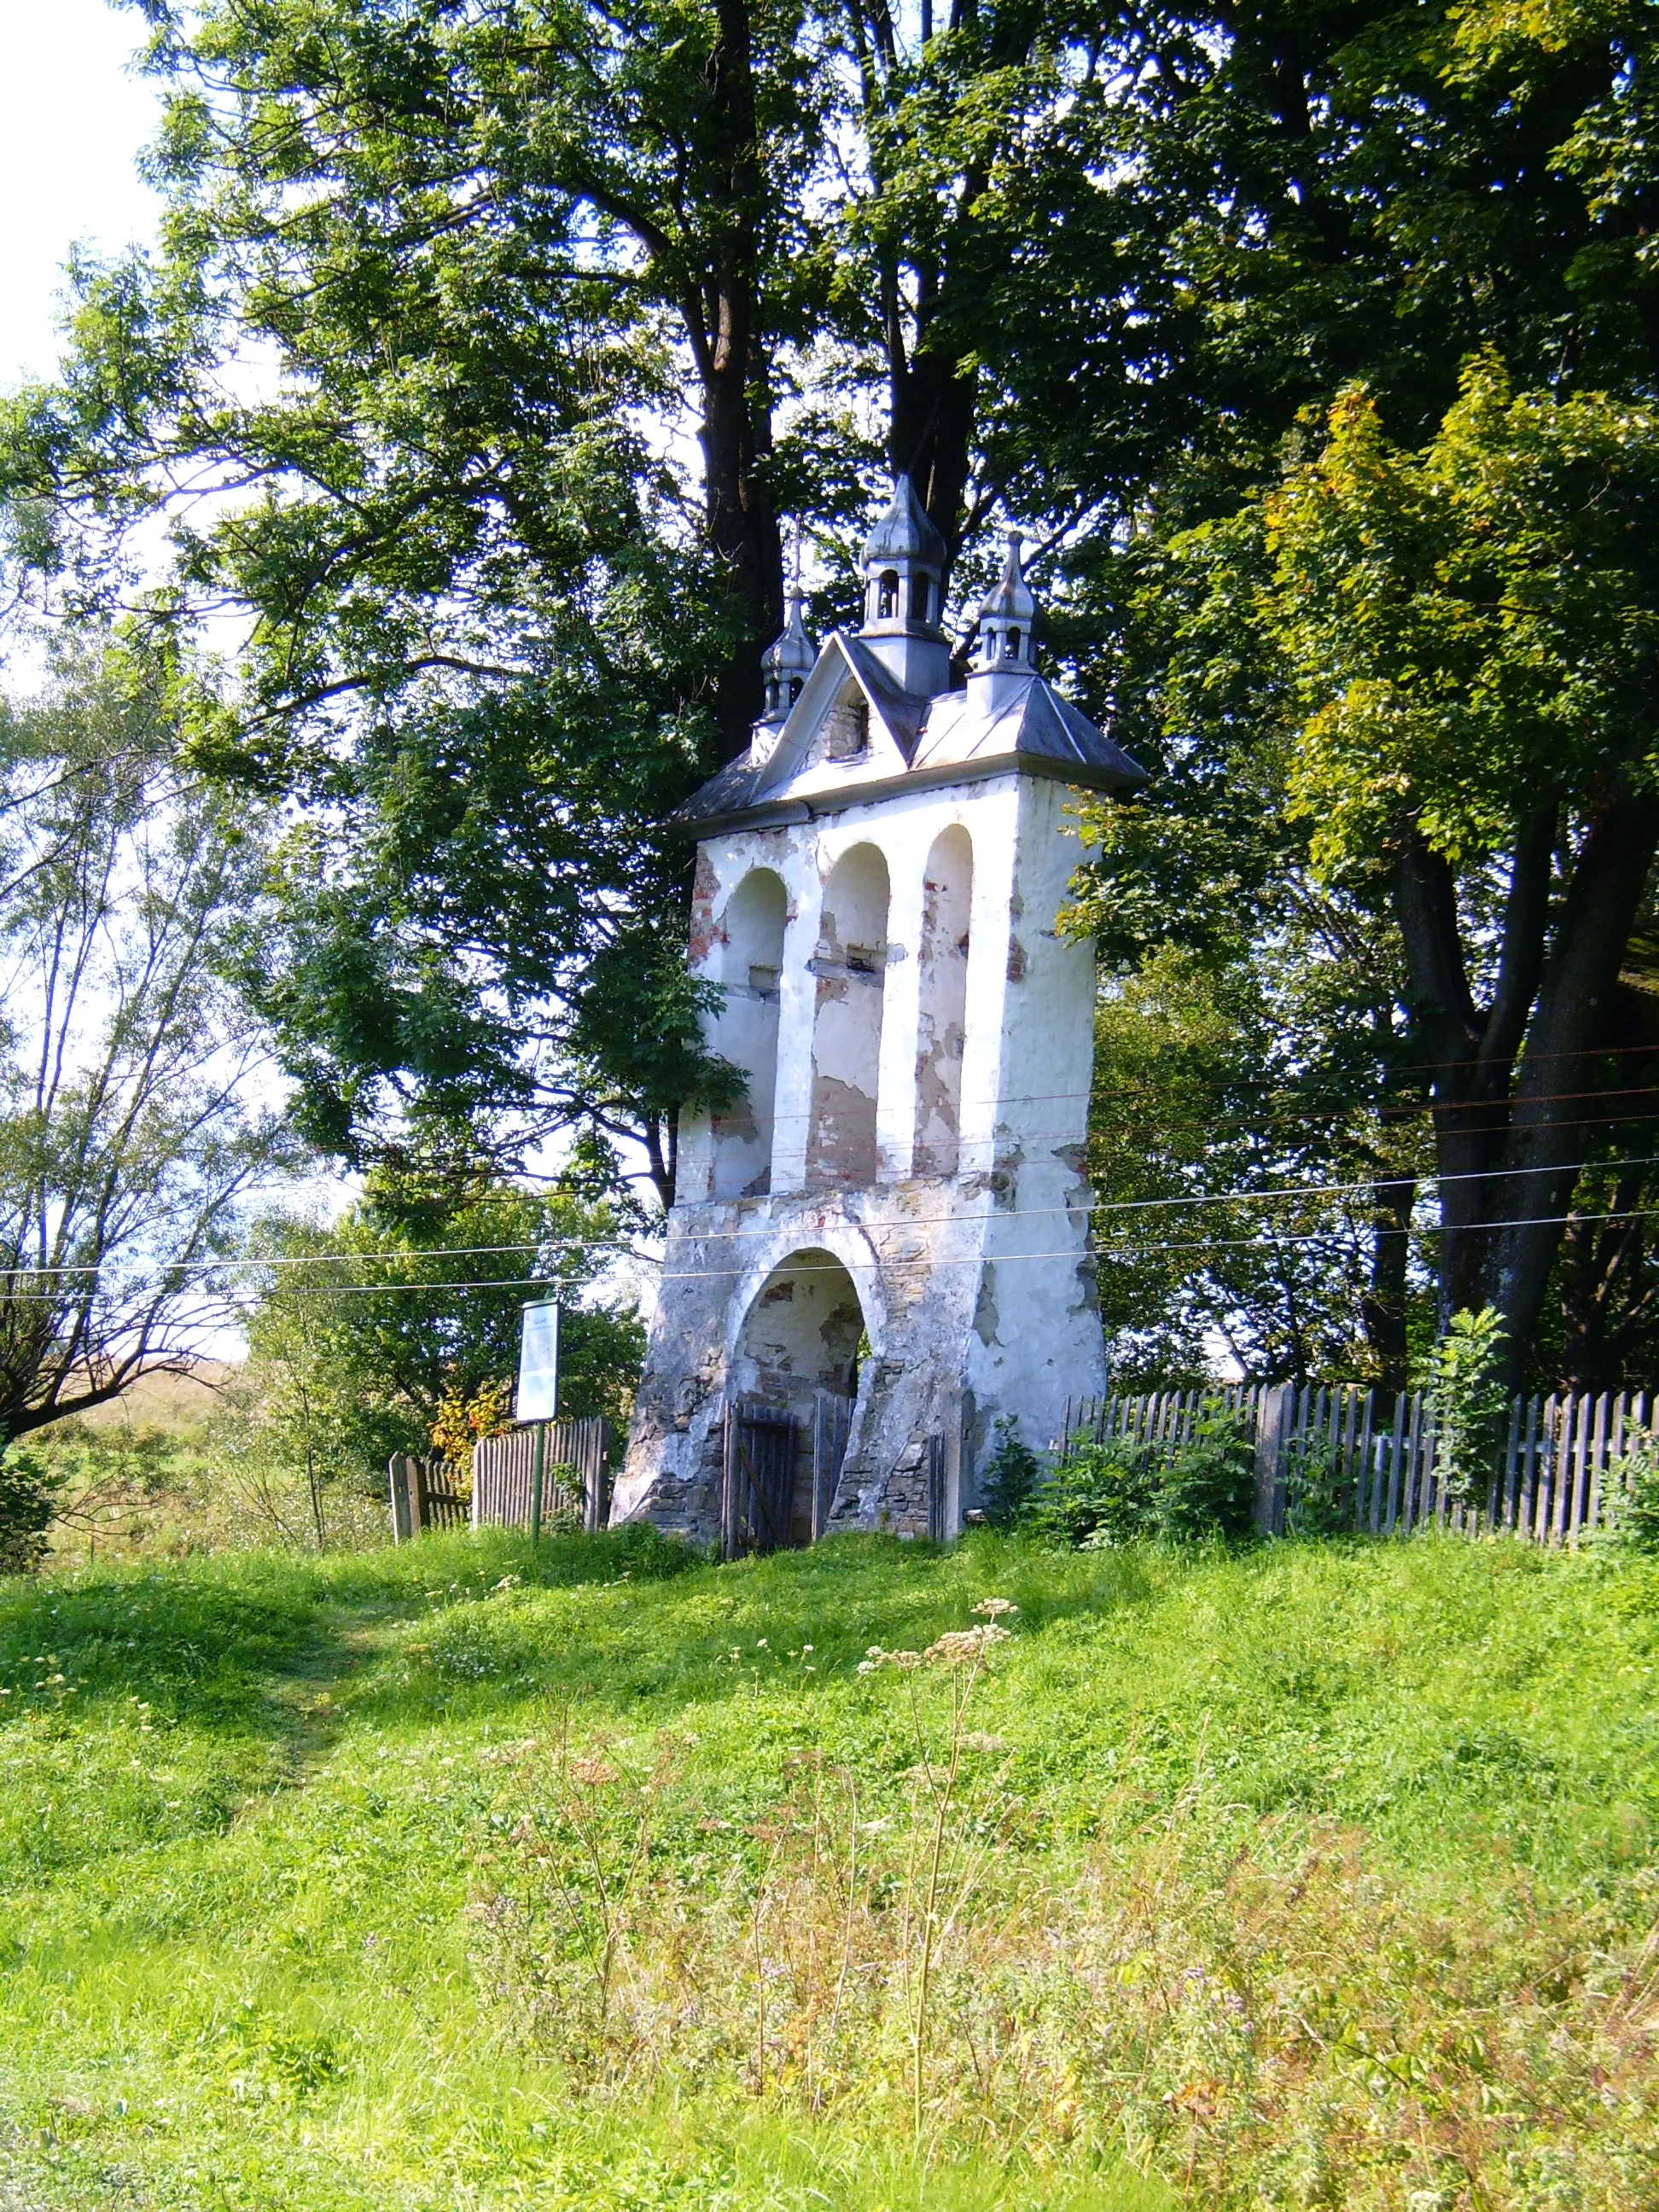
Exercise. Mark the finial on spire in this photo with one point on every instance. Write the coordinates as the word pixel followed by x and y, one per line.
pixel 788 660
pixel 1006 615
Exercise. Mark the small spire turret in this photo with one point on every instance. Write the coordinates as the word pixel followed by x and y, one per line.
pixel 903 562
pixel 1006 616
pixel 787 662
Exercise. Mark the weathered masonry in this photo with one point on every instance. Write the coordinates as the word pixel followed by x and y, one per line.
pixel 887 1240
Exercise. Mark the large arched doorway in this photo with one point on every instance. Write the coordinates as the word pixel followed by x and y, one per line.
pixel 798 1357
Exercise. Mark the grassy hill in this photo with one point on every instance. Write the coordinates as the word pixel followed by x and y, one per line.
pixel 464 1876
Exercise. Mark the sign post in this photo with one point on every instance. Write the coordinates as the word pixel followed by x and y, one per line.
pixel 536 1471
pixel 538 1391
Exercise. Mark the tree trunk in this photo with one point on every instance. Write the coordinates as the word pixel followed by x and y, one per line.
pixel 1554 1114
pixel 743 530
pixel 735 429
pixel 1382 1307
pixel 1511 1126
pixel 933 400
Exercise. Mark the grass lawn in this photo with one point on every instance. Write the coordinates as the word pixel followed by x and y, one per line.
pixel 465 1876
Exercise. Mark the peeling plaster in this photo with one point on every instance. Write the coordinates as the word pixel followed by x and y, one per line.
pixel 985 1316
pixel 977 1286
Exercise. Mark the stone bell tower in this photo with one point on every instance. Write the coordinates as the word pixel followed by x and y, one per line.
pixel 884 1245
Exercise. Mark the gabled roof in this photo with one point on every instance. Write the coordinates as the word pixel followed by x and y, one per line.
pixel 993 728
pixel 756 778
pixel 1029 723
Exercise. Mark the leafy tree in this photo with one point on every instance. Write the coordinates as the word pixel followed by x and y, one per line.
pixel 364 1332
pixel 128 1141
pixel 1095 271
pixel 491 640
pixel 1470 625
pixel 1251 1039
pixel 1333 195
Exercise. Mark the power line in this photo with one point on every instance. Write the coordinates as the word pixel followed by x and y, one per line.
pixel 1113 1256
pixel 1092 1207
pixel 1299 1098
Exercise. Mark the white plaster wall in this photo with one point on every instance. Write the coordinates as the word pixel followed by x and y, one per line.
pixel 1037 1338
pixel 945 939
pixel 745 1029
pixel 978 1290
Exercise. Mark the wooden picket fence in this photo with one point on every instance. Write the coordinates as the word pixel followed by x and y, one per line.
pixel 504 1472
pixel 424 1495
pixel 1374 1457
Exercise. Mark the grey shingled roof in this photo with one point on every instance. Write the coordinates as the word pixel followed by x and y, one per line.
pixel 1035 724
pixel 1035 728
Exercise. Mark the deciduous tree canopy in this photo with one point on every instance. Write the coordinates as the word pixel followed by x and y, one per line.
pixel 1315 348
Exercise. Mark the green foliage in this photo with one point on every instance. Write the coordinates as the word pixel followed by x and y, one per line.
pixel 1630 1500
pixel 1098 1494
pixel 1010 1475
pixel 1319 1499
pixel 135 1121
pixel 1468 1396
pixel 29 1484
pixel 362 1330
pixel 493 642
pixel 1120 1491
pixel 1102 277
pixel 1195 1130
pixel 1466 621
pixel 1207 1488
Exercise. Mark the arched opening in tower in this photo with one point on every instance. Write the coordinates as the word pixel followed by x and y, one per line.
pixel 941 1033
pixel 851 967
pixel 799 1352
pixel 746 1031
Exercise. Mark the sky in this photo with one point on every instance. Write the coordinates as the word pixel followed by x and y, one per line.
pixel 73 117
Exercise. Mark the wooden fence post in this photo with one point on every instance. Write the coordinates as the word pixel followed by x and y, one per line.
pixel 729 1483
pixel 1272 1408
pixel 397 1475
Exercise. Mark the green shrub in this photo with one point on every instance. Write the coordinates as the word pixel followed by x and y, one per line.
pixel 1321 1498
pixel 1119 1491
pixel 1209 1487
pixel 29 1493
pixel 1630 1516
pixel 1462 1380
pixel 1099 1493
pixel 1010 1477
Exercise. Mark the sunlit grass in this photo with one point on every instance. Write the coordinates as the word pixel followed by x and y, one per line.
pixel 276 1837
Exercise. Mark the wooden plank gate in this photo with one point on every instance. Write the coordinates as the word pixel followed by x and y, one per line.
pixel 758 1490
pixel 1371 1461
pixel 575 1459
pixel 424 1495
